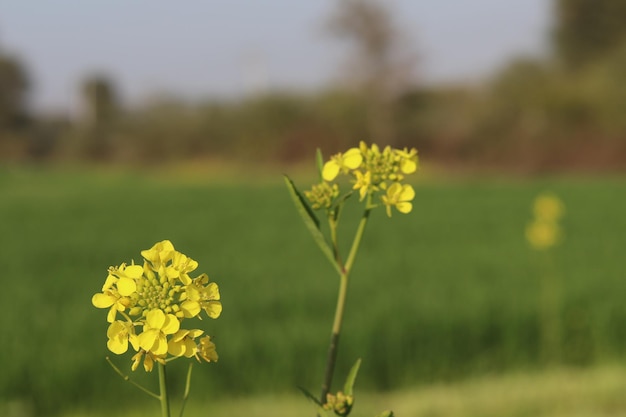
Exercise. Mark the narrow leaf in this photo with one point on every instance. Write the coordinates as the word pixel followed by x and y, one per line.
pixel 347 389
pixel 302 205
pixel 387 413
pixel 311 221
pixel 319 158
pixel 310 396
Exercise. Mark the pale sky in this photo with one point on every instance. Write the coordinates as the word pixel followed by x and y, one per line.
pixel 201 48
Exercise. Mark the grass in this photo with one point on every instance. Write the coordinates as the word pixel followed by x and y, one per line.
pixel 562 392
pixel 446 293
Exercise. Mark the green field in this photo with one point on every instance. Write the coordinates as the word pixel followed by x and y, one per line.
pixel 448 292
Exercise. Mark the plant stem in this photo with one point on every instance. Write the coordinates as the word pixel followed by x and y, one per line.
pixel 165 401
pixel 127 378
pixel 341 301
pixel 187 387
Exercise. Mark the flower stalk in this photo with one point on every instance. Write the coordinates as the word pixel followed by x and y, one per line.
pixel 163 397
pixel 341 298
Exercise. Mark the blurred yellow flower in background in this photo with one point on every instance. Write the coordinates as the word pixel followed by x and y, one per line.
pixel 544 231
pixel 548 207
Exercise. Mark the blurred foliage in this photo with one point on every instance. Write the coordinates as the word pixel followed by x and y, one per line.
pixel 534 114
pixel 531 116
pixel 587 30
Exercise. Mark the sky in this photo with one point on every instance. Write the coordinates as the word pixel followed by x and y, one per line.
pixel 199 49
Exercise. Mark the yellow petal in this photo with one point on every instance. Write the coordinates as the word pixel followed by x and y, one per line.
pixel 190 348
pixel 352 158
pixel 148 338
pixel 118 345
pixel 134 341
pixel 407 193
pixel 404 207
pixel 108 283
pixel 112 314
pixel 193 293
pixel 148 363
pixel 115 329
pixel 136 359
pixel 190 308
pixel 195 333
pixel 155 319
pixel 160 345
pixel 394 189
pixel 134 271
pixel 103 300
pixel 212 291
pixel 176 348
pixel 408 166
pixel 172 272
pixel 171 324
pixel 330 170
pixel 127 286
pixel 213 309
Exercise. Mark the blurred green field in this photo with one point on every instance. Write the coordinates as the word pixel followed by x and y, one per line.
pixel 445 293
pixel 563 392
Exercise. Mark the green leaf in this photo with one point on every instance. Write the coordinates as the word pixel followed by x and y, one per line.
pixel 302 205
pixel 311 221
pixel 310 396
pixel 347 388
pixel 319 159
pixel 387 413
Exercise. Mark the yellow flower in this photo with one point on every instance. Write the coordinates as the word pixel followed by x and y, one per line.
pixel 548 207
pixel 202 294
pixel 157 326
pixel 408 160
pixel 542 234
pixel 119 333
pixel 341 403
pixel 118 290
pixel 148 362
pixel 182 343
pixel 342 162
pixel 399 195
pixel 363 183
pixel 206 350
pixel 160 253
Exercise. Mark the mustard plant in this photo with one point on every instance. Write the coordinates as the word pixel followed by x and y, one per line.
pixel 543 234
pixel 147 304
pixel 377 179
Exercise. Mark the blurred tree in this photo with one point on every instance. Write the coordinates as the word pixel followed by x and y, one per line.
pixel 100 112
pixel 14 86
pixel 381 62
pixel 588 29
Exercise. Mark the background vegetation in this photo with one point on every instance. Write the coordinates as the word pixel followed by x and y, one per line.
pixel 561 110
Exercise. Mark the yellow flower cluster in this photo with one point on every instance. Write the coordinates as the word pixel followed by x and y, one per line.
pixel 370 170
pixel 153 299
pixel 544 231
pixel 340 404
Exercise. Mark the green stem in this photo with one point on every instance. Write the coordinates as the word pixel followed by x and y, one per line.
pixel 341 301
pixel 187 387
pixel 165 401
pixel 359 235
pixel 127 378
